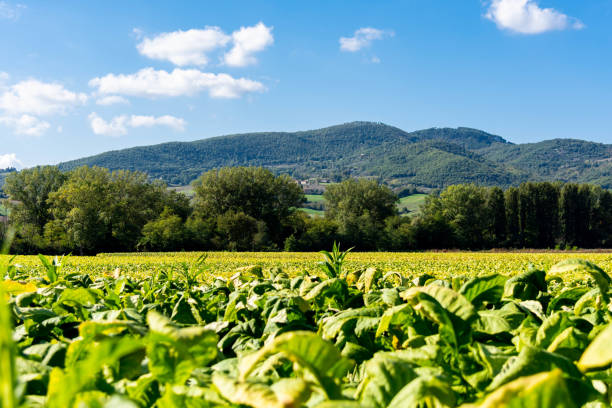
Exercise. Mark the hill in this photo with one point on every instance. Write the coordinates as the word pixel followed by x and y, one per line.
pixel 433 158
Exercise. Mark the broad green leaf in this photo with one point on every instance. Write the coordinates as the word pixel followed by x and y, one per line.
pixel 396 315
pixel 174 353
pixel 432 310
pixel 332 325
pixel 567 297
pixel 544 390
pixel 532 360
pixel 599 353
pixel 286 392
pixel 326 288
pixel 492 322
pixel 570 343
pixel 385 375
pixel 307 350
pixel 65 385
pixel 80 296
pixel 551 327
pixel 484 289
pixel 453 302
pixel 254 394
pixel 424 392
pixel 525 286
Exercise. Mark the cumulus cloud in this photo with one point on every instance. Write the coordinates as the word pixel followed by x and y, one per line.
pixel 362 38
pixel 191 47
pixel 111 100
pixel 526 17
pixel 118 126
pixel 248 41
pixel 38 98
pixel 27 125
pixel 10 160
pixel 184 47
pixel 152 83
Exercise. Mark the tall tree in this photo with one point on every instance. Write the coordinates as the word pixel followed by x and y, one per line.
pixel 569 214
pixel 28 191
pixel 360 208
pixel 465 208
pixel 103 210
pixel 497 210
pixel 511 198
pixel 253 192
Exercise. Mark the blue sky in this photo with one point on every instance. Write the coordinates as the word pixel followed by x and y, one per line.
pixel 79 78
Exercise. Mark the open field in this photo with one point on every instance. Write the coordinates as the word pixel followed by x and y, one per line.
pixel 223 264
pixel 315 198
pixel 412 203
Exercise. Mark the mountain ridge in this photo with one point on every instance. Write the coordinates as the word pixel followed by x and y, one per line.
pixel 434 157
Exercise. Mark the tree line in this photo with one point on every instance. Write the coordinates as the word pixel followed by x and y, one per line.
pixel 92 209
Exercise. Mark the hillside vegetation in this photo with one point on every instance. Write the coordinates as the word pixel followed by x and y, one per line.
pixel 434 158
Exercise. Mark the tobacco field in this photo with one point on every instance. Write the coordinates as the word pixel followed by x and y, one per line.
pixel 333 334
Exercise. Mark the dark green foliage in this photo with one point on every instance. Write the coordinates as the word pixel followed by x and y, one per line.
pixel 360 208
pixel 534 215
pixel 251 199
pixel 436 157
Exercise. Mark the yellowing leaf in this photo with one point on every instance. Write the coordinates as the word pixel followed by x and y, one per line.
pixel 599 353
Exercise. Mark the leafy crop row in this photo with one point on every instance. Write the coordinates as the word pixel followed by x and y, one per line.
pixel 353 338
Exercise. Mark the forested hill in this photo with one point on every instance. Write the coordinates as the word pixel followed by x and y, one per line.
pixel 434 157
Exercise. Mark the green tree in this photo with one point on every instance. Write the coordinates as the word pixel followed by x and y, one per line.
pixel 166 233
pixel 465 208
pixel 103 210
pixel 497 210
pixel 28 191
pixel 253 192
pixel 569 213
pixel 511 198
pixel 360 208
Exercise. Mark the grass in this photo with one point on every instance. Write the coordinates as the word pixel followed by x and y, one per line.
pixel 315 198
pixel 412 203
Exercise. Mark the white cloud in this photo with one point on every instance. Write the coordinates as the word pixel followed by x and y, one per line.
pixel 118 126
pixel 38 98
pixel 362 38
pixel 4 76
pixel 184 47
pixel 151 83
pixel 9 11
pixel 25 125
pixel 166 120
pixel 191 47
pixel 248 41
pixel 10 160
pixel 526 17
pixel 111 100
